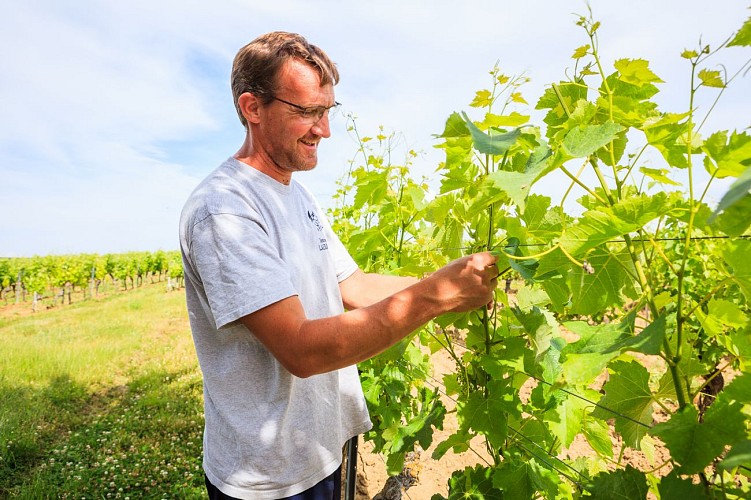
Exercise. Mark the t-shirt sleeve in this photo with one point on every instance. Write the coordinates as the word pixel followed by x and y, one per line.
pixel 239 266
pixel 344 264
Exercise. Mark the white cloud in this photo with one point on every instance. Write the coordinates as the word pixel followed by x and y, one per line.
pixel 113 111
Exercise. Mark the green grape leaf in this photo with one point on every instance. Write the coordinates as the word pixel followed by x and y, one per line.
pixel 631 106
pixel 483 99
pixel 737 258
pixel 727 156
pixel 542 222
pixel 585 359
pixel 743 37
pixel 628 396
pixel 522 480
pixel 528 297
pixel 554 263
pixel 659 175
pixel 515 185
pixel 597 338
pixel 473 484
pixel 581 51
pixel 734 219
pixel 372 188
pixel 496 144
pixel 549 361
pixel 736 192
pixel 711 78
pixel 599 226
pixel 738 391
pixel 513 120
pixel 417 195
pixel 597 434
pixel 594 228
pixel 689 54
pixel 455 127
pixel 536 210
pixel 558 118
pixel 628 484
pixel 607 286
pixel 637 211
pixel 457 442
pixel 584 140
pixel 665 133
pixel 525 268
pixel 402 437
pixel 558 291
pixel 649 340
pixel 566 420
pixel 488 415
pixel 540 325
pixel 741 347
pixel 739 455
pixel 514 354
pixel 695 444
pixel 722 315
pixel 460 173
pixel 673 487
pixel 636 72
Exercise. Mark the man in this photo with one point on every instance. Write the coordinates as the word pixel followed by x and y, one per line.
pixel 267 285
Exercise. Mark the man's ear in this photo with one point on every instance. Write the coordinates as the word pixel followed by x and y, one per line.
pixel 249 105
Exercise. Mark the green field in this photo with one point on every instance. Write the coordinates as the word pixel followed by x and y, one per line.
pixel 100 399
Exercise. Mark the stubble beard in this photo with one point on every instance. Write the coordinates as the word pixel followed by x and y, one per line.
pixel 296 161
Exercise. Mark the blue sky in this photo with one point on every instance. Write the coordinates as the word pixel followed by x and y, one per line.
pixel 111 112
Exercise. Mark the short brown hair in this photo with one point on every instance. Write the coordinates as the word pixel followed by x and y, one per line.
pixel 257 65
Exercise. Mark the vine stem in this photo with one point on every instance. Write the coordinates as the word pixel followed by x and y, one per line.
pixel 680 316
pixel 575 179
pixel 449 347
pixel 609 92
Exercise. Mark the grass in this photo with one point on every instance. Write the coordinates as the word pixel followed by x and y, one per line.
pixel 100 399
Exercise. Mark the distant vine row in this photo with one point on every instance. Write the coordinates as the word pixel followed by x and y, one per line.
pixel 55 279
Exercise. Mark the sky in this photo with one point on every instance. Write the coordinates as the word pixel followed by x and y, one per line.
pixel 112 112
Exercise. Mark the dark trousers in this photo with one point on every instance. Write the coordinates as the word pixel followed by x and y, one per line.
pixel 328 489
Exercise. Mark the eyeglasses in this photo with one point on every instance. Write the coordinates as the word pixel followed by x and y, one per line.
pixel 311 114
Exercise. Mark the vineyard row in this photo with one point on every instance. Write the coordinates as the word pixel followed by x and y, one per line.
pixel 53 279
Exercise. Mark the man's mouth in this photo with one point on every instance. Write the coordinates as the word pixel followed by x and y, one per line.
pixel 309 143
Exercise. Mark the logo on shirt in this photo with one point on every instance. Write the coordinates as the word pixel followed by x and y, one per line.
pixel 314 219
pixel 322 243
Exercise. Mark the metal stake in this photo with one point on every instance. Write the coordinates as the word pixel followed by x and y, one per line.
pixel 350 476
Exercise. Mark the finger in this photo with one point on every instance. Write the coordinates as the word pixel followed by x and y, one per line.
pixel 493 270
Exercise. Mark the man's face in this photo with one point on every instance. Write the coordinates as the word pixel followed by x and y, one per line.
pixel 287 136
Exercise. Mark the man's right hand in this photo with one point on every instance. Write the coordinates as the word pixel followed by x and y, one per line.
pixel 466 283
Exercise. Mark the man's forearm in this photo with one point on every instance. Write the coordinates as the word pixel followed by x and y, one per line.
pixel 365 332
pixel 365 289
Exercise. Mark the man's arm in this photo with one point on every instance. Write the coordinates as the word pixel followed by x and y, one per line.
pixel 308 347
pixel 365 289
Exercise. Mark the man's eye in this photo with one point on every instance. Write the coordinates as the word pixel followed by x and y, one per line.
pixel 310 112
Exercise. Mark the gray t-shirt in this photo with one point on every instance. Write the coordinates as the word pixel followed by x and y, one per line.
pixel 248 241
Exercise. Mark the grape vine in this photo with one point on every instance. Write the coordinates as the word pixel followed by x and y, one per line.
pixel 631 323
